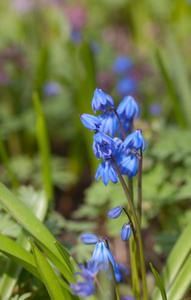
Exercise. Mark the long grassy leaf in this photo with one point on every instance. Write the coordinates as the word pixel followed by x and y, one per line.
pixel 12 270
pixel 175 261
pixel 44 147
pixel 159 282
pixel 23 258
pixel 33 226
pixel 182 282
pixel 47 274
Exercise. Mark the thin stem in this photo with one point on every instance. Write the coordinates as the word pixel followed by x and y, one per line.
pixel 98 284
pixel 140 187
pixel 121 125
pixel 142 260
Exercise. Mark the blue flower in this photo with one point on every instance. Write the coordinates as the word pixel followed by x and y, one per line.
pixel 101 100
pixel 128 165
pixel 128 108
pixel 126 232
pixel 126 86
pixel 89 238
pixel 134 140
pixel 103 145
pixel 121 65
pixel 126 297
pixel 120 271
pixel 51 89
pixel 107 170
pixel 76 35
pixel 91 122
pixel 115 212
pixel 102 256
pixel 86 287
pixel 109 122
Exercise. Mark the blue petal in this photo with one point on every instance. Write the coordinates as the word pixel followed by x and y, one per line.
pixel 126 232
pixel 105 175
pixel 113 173
pixel 89 238
pixel 83 289
pixel 90 122
pixel 115 212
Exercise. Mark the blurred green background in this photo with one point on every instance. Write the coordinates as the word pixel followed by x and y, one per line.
pixel 53 54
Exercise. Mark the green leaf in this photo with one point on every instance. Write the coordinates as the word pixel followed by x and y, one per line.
pixel 44 147
pixel 65 254
pixel 181 284
pixel 32 225
pixel 159 282
pixel 47 274
pixel 24 258
pixel 38 203
pixel 175 262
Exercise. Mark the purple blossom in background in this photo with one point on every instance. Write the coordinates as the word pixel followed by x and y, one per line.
pixel 101 101
pixel 51 89
pixel 122 65
pixel 76 36
pixel 128 298
pixel 107 170
pixel 156 109
pixel 76 14
pixel 22 6
pixel 109 122
pixel 125 86
pixel 85 288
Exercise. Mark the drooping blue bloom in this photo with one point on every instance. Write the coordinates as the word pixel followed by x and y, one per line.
pixel 103 145
pixel 107 170
pixel 155 109
pixel 119 150
pixel 101 100
pixel 51 89
pixel 85 288
pixel 125 86
pixel 109 122
pixel 120 271
pixel 128 165
pixel 102 256
pixel 91 122
pixel 126 232
pixel 134 140
pixel 128 108
pixel 122 65
pixel 89 238
pixel 115 212
pixel 76 36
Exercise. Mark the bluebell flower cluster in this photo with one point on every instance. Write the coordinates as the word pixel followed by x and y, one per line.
pixel 106 145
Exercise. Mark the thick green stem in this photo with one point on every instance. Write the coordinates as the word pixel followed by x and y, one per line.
pixel 140 187
pixel 132 209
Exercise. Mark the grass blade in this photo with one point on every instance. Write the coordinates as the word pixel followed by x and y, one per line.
pixel 44 147
pixel 159 282
pixel 33 226
pixel 47 274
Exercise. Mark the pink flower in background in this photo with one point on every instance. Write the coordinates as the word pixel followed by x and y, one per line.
pixel 76 16
pixel 22 6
